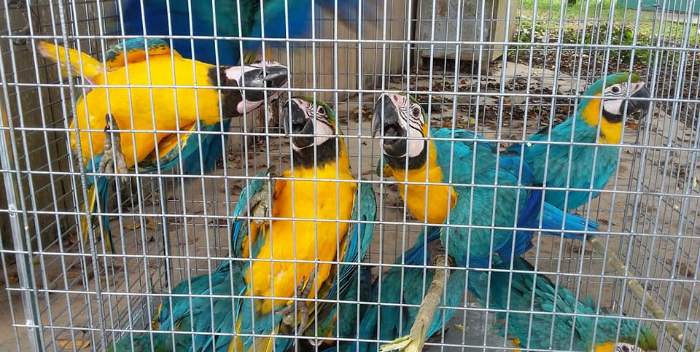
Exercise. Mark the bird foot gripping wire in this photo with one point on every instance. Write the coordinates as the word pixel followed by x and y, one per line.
pixel 113 160
pixel 288 313
pixel 416 339
pixel 258 205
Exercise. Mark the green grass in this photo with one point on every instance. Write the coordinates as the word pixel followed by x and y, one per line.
pixel 550 14
pixel 591 22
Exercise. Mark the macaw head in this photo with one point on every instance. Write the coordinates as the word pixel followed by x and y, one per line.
pixel 254 79
pixel 626 347
pixel 311 124
pixel 618 93
pixel 608 330
pixel 400 122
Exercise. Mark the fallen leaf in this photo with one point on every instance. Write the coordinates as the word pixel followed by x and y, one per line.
pixel 633 126
pixel 683 268
pixel 151 223
pixel 68 344
pixel 132 225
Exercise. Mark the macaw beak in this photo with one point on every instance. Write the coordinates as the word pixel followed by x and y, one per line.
pixel 274 75
pixel 639 90
pixel 297 123
pixel 386 119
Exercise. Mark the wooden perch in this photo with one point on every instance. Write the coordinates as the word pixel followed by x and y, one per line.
pixel 415 341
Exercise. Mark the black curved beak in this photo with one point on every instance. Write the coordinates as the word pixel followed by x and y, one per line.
pixel 641 92
pixel 295 121
pixel 385 121
pixel 274 76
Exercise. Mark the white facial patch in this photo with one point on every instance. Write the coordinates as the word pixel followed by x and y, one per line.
pixel 236 72
pixel 626 347
pixel 613 106
pixel 411 120
pixel 322 130
pixel 416 143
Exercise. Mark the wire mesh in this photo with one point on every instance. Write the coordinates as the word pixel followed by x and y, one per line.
pixel 502 69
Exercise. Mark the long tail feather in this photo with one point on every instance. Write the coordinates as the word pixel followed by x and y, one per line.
pixel 91 204
pixel 103 185
pixel 79 63
pixel 574 226
pixel 99 189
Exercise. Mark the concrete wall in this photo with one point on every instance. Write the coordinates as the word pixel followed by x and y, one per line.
pixel 353 71
pixel 481 21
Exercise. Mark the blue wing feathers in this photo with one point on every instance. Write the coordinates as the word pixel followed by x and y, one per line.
pixel 275 16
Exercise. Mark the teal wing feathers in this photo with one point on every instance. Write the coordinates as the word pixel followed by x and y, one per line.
pixel 255 188
pixel 529 292
pixel 561 172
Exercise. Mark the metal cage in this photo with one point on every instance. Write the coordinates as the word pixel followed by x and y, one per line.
pixel 504 69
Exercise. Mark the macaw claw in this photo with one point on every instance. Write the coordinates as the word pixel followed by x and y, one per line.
pixel 399 344
pixel 258 205
pixel 288 313
pixel 113 159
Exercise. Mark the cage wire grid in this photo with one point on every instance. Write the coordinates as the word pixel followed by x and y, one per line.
pixel 505 70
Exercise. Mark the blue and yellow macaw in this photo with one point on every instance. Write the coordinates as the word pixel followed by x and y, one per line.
pixel 540 314
pixel 274 20
pixel 320 186
pixel 155 98
pixel 466 177
pixel 202 306
pixel 245 20
pixel 471 184
pixel 598 121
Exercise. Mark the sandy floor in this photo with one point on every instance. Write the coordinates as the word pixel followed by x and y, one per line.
pixel 198 229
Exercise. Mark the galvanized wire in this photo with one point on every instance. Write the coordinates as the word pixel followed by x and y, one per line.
pixel 464 75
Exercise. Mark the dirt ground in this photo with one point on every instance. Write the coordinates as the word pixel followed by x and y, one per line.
pixel 656 210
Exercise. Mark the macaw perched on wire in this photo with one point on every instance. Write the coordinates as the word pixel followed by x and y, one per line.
pixel 319 214
pixel 273 20
pixel 145 87
pixel 541 315
pixel 598 121
pixel 471 183
pixel 202 306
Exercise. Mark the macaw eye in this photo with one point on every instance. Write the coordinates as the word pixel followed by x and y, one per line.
pixel 615 89
pixel 416 111
pixel 623 348
pixel 320 110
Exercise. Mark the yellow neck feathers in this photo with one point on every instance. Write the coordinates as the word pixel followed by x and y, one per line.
pixel 610 133
pixel 604 347
pixel 419 197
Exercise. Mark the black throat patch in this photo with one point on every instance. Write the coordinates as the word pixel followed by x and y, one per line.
pixel 325 154
pixel 612 118
pixel 398 163
pixel 230 98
